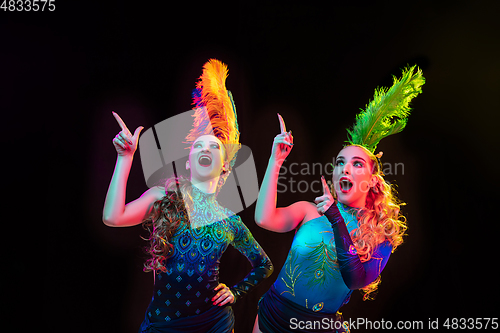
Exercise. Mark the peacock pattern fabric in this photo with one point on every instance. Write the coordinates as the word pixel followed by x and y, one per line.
pixel 186 288
pixel 311 276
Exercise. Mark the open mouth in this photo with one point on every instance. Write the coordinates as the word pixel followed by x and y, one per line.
pixel 345 185
pixel 205 161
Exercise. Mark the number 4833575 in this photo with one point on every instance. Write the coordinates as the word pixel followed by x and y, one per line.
pixel 471 323
pixel 28 5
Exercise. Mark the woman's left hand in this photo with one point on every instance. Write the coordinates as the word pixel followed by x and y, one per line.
pixel 326 200
pixel 224 295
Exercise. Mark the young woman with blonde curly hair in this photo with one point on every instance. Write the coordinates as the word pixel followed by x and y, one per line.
pixel 342 241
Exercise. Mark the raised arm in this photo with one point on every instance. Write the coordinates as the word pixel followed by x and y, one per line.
pixel 266 214
pixel 116 213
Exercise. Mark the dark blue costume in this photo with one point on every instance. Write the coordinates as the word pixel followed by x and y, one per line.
pixel 182 299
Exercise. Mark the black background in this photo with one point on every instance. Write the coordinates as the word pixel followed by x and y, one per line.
pixel 63 72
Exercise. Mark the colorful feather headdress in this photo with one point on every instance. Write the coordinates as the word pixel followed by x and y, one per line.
pixel 388 112
pixel 215 112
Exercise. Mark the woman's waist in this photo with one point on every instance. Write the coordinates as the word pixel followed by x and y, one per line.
pixel 174 308
pixel 180 270
pixel 185 283
pixel 327 297
pixel 182 301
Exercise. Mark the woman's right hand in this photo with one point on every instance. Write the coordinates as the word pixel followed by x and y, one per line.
pixel 125 143
pixel 282 144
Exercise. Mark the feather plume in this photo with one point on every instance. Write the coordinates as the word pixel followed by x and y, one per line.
pixel 215 110
pixel 388 112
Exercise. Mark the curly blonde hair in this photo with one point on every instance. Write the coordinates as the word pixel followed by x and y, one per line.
pixel 379 221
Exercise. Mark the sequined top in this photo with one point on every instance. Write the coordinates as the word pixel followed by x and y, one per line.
pixel 311 276
pixel 192 272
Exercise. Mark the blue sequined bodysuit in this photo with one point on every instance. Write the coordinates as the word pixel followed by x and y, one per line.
pixel 311 276
pixel 192 272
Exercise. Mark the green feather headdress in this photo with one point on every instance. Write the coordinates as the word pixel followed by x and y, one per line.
pixel 388 112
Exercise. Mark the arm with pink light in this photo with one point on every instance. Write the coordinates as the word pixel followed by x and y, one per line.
pixel 267 215
pixel 115 212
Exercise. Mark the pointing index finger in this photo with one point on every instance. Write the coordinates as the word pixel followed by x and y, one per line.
pixel 326 189
pixel 120 122
pixel 282 124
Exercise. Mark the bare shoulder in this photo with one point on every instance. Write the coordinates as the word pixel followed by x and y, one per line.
pixel 305 209
pixel 310 210
pixel 155 193
pixel 306 206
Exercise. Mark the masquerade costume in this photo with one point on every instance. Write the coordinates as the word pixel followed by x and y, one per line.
pixel 323 267
pixel 183 292
pixel 310 283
